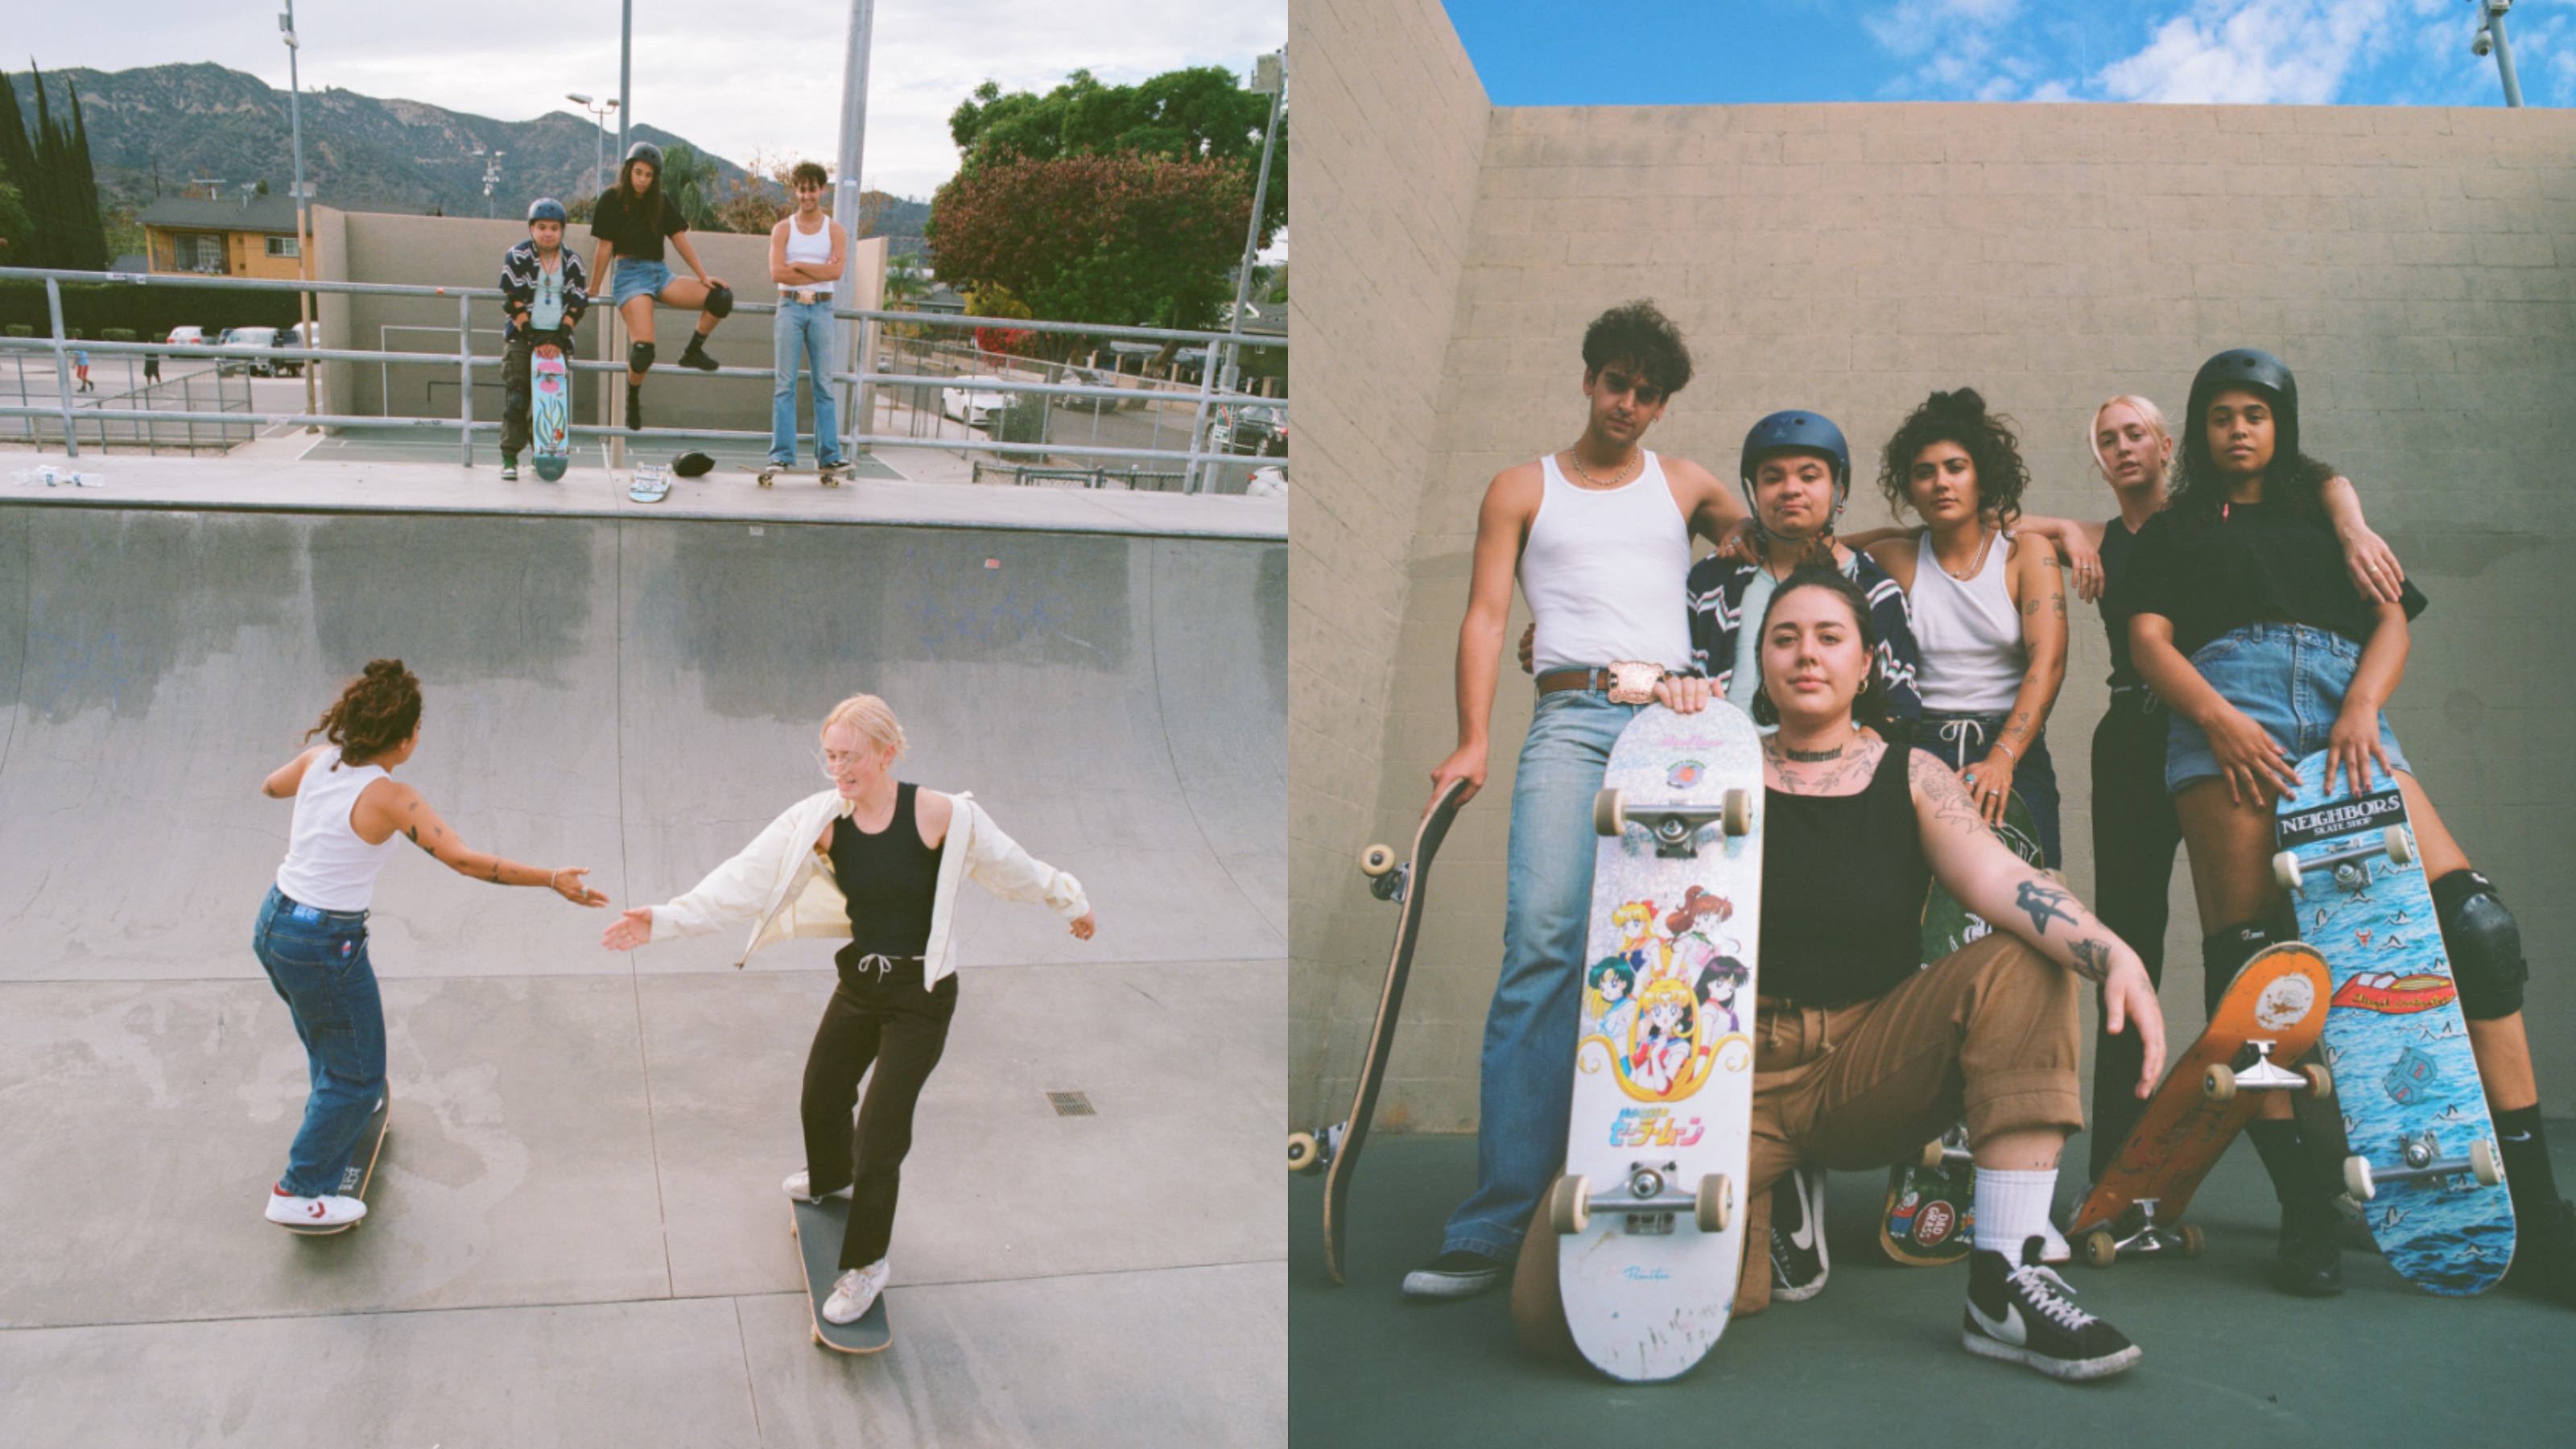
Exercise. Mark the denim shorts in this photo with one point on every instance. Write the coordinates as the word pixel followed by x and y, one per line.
pixel 2288 678
pixel 638 278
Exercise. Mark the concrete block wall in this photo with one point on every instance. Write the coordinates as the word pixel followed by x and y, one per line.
pixel 2415 266
pixel 1386 185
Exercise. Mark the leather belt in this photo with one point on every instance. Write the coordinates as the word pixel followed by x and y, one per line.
pixel 1556 681
pixel 808 297
pixel 1641 680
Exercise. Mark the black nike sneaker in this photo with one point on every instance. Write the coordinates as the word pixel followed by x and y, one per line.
pixel 1798 1262
pixel 2024 1313
pixel 1456 1273
pixel 2544 1261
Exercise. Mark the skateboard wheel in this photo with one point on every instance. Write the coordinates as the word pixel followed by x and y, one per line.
pixel 1304 1155
pixel 1738 814
pixel 2320 1081
pixel 2218 1084
pixel 1716 1205
pixel 1376 861
pixel 1610 812
pixel 2285 869
pixel 2483 1165
pixel 2193 1240
pixel 2356 1179
pixel 2100 1248
pixel 2401 851
pixel 1930 1158
pixel 1569 1204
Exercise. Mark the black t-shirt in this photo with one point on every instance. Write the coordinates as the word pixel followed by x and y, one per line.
pixel 2117 544
pixel 1843 881
pixel 2256 561
pixel 622 222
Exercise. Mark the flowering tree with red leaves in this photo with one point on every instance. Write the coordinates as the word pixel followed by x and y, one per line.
pixel 1129 240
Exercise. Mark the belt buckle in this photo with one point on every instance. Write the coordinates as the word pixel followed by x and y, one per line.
pixel 1632 681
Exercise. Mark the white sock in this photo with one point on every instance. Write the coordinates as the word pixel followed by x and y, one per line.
pixel 2012 1208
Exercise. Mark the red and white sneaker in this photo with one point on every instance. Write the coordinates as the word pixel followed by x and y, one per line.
pixel 313 1214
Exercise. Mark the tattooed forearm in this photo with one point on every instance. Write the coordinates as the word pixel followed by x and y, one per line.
pixel 2092 959
pixel 1949 799
pixel 2043 903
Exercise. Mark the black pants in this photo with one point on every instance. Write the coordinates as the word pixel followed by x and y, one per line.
pixel 517 433
pixel 2135 832
pixel 884 1018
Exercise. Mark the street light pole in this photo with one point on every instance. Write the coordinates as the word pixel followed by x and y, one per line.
pixel 1269 73
pixel 625 73
pixel 599 129
pixel 303 206
pixel 845 209
pixel 2491 36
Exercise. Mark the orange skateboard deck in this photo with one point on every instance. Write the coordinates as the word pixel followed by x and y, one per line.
pixel 2272 1015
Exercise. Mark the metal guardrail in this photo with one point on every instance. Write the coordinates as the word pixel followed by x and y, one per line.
pixel 1205 397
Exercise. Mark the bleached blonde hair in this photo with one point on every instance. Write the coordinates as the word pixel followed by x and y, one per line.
pixel 871 717
pixel 2148 413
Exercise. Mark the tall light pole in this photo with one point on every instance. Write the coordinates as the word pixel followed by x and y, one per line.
pixel 303 208
pixel 1270 74
pixel 625 74
pixel 599 116
pixel 845 205
pixel 2490 36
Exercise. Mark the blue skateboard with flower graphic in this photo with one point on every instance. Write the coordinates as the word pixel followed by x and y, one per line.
pixel 2423 1164
pixel 550 411
pixel 1649 1214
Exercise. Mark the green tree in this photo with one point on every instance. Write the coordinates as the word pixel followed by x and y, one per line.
pixel 689 179
pixel 26 183
pixel 1130 240
pixel 1202 113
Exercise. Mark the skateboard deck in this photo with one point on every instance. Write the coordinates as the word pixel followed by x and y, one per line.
pixel 360 1174
pixel 817 1229
pixel 2424 1165
pixel 550 412
pixel 829 477
pixel 1650 1213
pixel 1931 1207
pixel 652 483
pixel 1335 1150
pixel 2271 1016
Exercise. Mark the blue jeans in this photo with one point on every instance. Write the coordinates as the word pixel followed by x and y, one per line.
pixel 803 329
pixel 317 960
pixel 1961 740
pixel 1527 1084
pixel 2288 678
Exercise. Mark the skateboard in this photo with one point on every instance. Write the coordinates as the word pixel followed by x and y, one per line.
pixel 652 483
pixel 2272 1015
pixel 817 1229
pixel 2423 1162
pixel 550 411
pixel 769 473
pixel 1649 1212
pixel 360 1174
pixel 1931 1201
pixel 1335 1151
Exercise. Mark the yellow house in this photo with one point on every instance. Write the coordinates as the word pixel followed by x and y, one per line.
pixel 252 237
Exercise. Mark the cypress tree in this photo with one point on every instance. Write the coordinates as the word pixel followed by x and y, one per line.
pixel 18 167
pixel 84 244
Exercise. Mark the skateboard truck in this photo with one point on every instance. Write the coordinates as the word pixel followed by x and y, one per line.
pixel 1675 828
pixel 1311 1152
pixel 1388 880
pixel 1648 1192
pixel 2222 1082
pixel 2421 1157
pixel 2103 1246
pixel 2291 871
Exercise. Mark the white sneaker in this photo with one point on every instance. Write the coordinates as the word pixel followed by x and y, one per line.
pixel 797 1188
pixel 2054 1247
pixel 856 1293
pixel 313 1214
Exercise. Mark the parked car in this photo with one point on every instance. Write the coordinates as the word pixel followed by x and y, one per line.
pixel 246 337
pixel 186 337
pixel 1252 430
pixel 976 407
pixel 299 335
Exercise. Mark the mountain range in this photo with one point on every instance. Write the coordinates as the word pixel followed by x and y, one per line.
pixel 154 130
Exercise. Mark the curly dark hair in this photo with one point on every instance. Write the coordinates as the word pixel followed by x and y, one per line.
pixel 1639 336
pixel 2198 491
pixel 1869 707
pixel 1990 439
pixel 377 711
pixel 809 171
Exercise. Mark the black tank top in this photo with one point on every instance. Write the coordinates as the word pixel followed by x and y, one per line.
pixel 1843 880
pixel 2117 542
pixel 890 879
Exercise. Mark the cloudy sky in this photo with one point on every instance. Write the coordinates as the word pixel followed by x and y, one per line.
pixel 735 77
pixel 2347 52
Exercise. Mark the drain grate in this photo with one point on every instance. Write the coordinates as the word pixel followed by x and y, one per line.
pixel 1070 1104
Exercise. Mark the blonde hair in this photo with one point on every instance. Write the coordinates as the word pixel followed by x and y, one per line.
pixel 871 717
pixel 2148 413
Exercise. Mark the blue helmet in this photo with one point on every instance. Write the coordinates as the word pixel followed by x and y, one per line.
pixel 546 208
pixel 1804 432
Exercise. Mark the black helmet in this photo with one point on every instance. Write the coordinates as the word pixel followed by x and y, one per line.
pixel 1804 432
pixel 647 152
pixel 693 464
pixel 546 208
pixel 2250 368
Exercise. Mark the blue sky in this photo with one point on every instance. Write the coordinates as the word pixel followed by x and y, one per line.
pixel 2342 52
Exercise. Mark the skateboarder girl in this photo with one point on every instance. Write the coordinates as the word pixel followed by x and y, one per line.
pixel 544 291
pixel 633 221
pixel 2243 620
pixel 878 861
pixel 1598 537
pixel 807 251
pixel 311 936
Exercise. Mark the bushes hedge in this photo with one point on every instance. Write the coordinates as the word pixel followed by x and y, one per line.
pixel 147 311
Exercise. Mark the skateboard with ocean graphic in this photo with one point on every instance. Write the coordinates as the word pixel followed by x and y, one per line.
pixel 2423 1163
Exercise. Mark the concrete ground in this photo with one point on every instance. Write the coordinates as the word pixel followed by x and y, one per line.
pixel 1875 1358
pixel 577 1235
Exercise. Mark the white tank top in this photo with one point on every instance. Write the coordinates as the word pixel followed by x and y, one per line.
pixel 327 866
pixel 1604 571
pixel 1968 634
pixel 809 249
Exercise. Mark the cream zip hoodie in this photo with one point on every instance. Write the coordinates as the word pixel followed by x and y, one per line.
pixel 784 886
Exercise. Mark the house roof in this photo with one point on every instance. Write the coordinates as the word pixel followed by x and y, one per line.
pixel 260 213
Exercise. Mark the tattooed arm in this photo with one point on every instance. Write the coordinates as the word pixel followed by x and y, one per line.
pixel 386 809
pixel 2039 588
pixel 2001 887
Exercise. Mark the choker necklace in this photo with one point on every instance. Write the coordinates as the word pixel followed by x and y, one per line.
pixel 1576 459
pixel 1812 757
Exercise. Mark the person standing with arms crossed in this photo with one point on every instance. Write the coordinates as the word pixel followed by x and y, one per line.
pixel 808 251
pixel 631 222
pixel 1598 537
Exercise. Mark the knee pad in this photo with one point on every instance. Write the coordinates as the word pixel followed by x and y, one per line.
pixel 639 357
pixel 2485 943
pixel 2224 952
pixel 719 301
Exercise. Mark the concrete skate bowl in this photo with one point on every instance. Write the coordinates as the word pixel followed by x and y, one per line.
pixel 636 696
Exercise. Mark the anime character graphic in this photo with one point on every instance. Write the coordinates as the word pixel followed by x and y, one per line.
pixel 1663 1043
pixel 1610 998
pixel 1718 979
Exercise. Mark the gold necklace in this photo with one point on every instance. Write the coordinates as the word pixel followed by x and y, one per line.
pixel 1575 460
